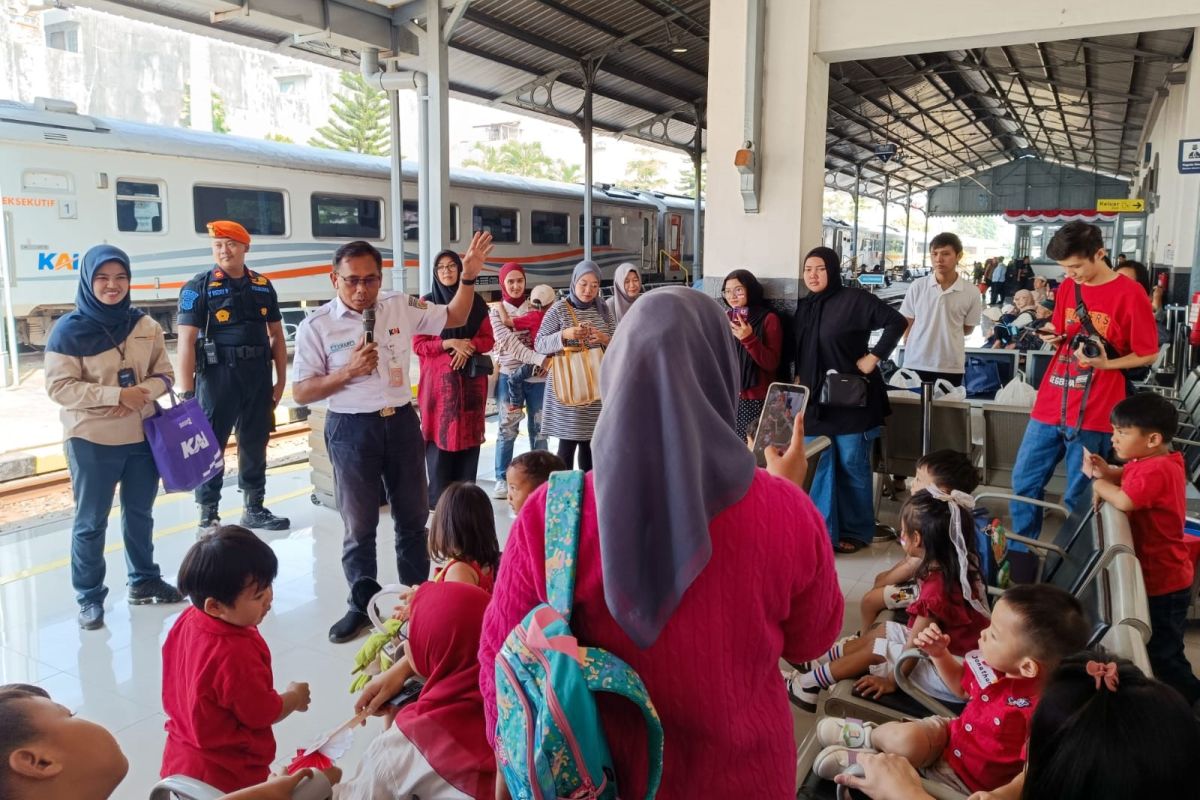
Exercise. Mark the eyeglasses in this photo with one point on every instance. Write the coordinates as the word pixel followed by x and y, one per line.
pixel 354 282
pixel 450 267
pixel 734 292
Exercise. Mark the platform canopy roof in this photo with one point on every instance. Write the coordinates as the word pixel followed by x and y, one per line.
pixel 1081 103
pixel 648 58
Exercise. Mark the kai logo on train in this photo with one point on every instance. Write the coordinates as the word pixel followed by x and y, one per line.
pixel 49 259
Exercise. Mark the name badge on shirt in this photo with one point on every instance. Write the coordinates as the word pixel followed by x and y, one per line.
pixel 984 675
pixel 397 374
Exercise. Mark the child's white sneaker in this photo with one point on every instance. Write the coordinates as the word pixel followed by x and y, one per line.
pixel 848 732
pixel 834 760
pixel 803 690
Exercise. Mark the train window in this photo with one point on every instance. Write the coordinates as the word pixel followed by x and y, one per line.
pixel 500 222
pixel 549 227
pixel 139 206
pixel 260 211
pixel 411 228
pixel 342 217
pixel 645 231
pixel 601 231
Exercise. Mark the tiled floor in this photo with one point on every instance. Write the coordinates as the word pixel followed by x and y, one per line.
pixel 113 675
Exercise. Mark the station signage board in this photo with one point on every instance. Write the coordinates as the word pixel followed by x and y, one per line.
pixel 885 152
pixel 1189 156
pixel 1121 205
pixel 871 279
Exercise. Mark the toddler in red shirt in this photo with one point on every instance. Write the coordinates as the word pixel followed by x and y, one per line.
pixel 1151 490
pixel 217 686
pixel 1033 628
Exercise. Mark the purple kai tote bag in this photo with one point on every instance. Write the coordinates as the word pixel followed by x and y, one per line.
pixel 183 444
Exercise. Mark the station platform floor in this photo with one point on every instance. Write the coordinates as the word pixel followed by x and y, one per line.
pixel 113 675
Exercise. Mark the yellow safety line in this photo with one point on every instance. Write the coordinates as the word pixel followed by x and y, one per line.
pixel 29 572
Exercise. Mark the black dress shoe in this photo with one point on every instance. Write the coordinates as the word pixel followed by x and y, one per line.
pixel 155 590
pixel 91 617
pixel 348 627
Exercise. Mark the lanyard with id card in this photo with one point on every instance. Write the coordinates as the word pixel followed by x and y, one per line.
pixel 126 377
pixel 397 369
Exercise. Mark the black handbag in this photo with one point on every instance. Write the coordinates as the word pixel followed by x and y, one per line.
pixel 844 390
pixel 478 366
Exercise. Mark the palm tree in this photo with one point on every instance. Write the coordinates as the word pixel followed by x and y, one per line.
pixel 512 158
pixel 644 173
pixel 568 173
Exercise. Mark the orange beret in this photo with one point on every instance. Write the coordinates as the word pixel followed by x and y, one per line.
pixel 227 229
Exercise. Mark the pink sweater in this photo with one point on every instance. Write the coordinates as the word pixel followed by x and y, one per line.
pixel 770 590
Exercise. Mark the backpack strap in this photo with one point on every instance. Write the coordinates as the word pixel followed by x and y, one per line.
pixel 563 514
pixel 606 672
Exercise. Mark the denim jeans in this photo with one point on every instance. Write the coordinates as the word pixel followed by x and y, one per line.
pixel 96 470
pixel 1041 449
pixel 842 489
pixel 368 451
pixel 510 420
pixel 1168 619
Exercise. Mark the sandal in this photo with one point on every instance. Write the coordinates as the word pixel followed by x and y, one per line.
pixel 846 546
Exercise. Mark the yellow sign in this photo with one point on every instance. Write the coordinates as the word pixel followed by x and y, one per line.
pixel 1121 205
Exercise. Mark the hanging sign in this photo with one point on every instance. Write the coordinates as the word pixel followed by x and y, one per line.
pixel 1122 205
pixel 1189 156
pixel 885 152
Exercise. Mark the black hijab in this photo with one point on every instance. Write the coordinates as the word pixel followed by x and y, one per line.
pixel 442 295
pixel 809 370
pixel 757 315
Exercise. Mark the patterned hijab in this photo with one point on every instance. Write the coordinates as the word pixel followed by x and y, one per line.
pixel 663 469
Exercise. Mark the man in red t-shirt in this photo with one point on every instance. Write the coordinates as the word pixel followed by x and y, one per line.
pixel 1078 391
pixel 1150 488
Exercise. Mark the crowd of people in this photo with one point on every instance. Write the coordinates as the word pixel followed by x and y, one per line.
pixel 695 568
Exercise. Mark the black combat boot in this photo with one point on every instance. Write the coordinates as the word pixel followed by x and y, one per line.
pixel 255 516
pixel 209 520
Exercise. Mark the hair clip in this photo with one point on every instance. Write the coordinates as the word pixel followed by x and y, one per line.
pixel 1104 672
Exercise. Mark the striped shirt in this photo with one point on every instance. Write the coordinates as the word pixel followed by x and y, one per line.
pixel 575 423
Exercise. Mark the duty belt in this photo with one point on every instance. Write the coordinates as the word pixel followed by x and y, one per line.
pixel 244 352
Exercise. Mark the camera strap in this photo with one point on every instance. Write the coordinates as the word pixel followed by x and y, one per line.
pixel 1085 319
pixel 1085 322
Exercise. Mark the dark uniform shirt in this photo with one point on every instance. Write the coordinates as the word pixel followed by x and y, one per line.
pixel 228 311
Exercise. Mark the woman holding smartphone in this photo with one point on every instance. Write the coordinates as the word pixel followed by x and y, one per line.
pixel 834 324
pixel 758 331
pixel 106 363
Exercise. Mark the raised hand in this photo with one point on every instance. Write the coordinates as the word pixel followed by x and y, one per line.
pixel 476 255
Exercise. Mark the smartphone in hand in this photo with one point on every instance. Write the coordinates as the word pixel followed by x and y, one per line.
pixel 785 402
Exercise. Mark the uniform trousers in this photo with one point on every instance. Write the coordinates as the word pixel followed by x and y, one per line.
pixel 236 396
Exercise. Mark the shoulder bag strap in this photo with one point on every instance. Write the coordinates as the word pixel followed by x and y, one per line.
pixel 564 499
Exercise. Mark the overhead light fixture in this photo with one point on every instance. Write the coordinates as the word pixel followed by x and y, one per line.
pixel 678 49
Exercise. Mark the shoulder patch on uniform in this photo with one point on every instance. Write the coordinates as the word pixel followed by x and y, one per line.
pixel 417 302
pixel 218 274
pixel 187 299
pixel 258 280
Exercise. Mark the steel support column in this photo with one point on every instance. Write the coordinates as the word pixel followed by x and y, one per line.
pixel 396 197
pixel 437 152
pixel 585 130
pixel 883 233
pixel 854 245
pixel 424 250
pixel 907 216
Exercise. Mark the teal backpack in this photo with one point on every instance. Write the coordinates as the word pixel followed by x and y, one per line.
pixel 549 741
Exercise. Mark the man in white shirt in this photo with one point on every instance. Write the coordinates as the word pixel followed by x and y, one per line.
pixel 372 432
pixel 942 309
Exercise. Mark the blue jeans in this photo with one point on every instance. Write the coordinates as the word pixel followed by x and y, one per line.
pixel 511 412
pixel 1041 449
pixel 842 488
pixel 96 470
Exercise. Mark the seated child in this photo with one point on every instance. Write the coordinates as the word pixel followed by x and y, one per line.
pixel 463 534
pixel 936 531
pixel 217 684
pixel 1101 729
pixel 1151 489
pixel 1033 628
pixel 894 588
pixel 527 325
pixel 437 748
pixel 527 472
pixel 49 753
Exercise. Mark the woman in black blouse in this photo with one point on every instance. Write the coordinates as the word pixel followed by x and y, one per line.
pixel 833 326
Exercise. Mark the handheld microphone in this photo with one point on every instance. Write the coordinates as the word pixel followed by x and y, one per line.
pixel 369 324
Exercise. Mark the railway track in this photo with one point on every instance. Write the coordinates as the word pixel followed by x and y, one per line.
pixel 36 487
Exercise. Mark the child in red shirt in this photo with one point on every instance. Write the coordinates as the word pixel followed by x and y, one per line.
pixel 938 531
pixel 1151 489
pixel 1033 628
pixel 217 686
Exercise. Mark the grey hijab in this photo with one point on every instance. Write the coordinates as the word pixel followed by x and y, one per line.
pixel 621 302
pixel 581 269
pixel 665 454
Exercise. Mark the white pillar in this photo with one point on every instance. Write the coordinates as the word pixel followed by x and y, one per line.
pixel 437 213
pixel 1187 227
pixel 791 145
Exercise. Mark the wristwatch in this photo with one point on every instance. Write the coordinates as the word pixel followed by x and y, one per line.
pixel 186 395
pixel 469 281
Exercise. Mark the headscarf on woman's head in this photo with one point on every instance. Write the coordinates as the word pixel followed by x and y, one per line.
pixel 581 269
pixel 442 295
pixel 621 301
pixel 446 721
pixel 663 469
pixel 94 326
pixel 810 371
pixel 757 314
pixel 505 271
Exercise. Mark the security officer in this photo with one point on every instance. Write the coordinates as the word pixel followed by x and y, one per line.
pixel 229 333
pixel 372 432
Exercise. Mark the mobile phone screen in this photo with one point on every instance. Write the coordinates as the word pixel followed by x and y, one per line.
pixel 784 403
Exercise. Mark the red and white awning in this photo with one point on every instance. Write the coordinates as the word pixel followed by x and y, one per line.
pixel 1059 215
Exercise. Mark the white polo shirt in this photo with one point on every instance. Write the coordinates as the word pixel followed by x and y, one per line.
pixel 327 337
pixel 936 341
